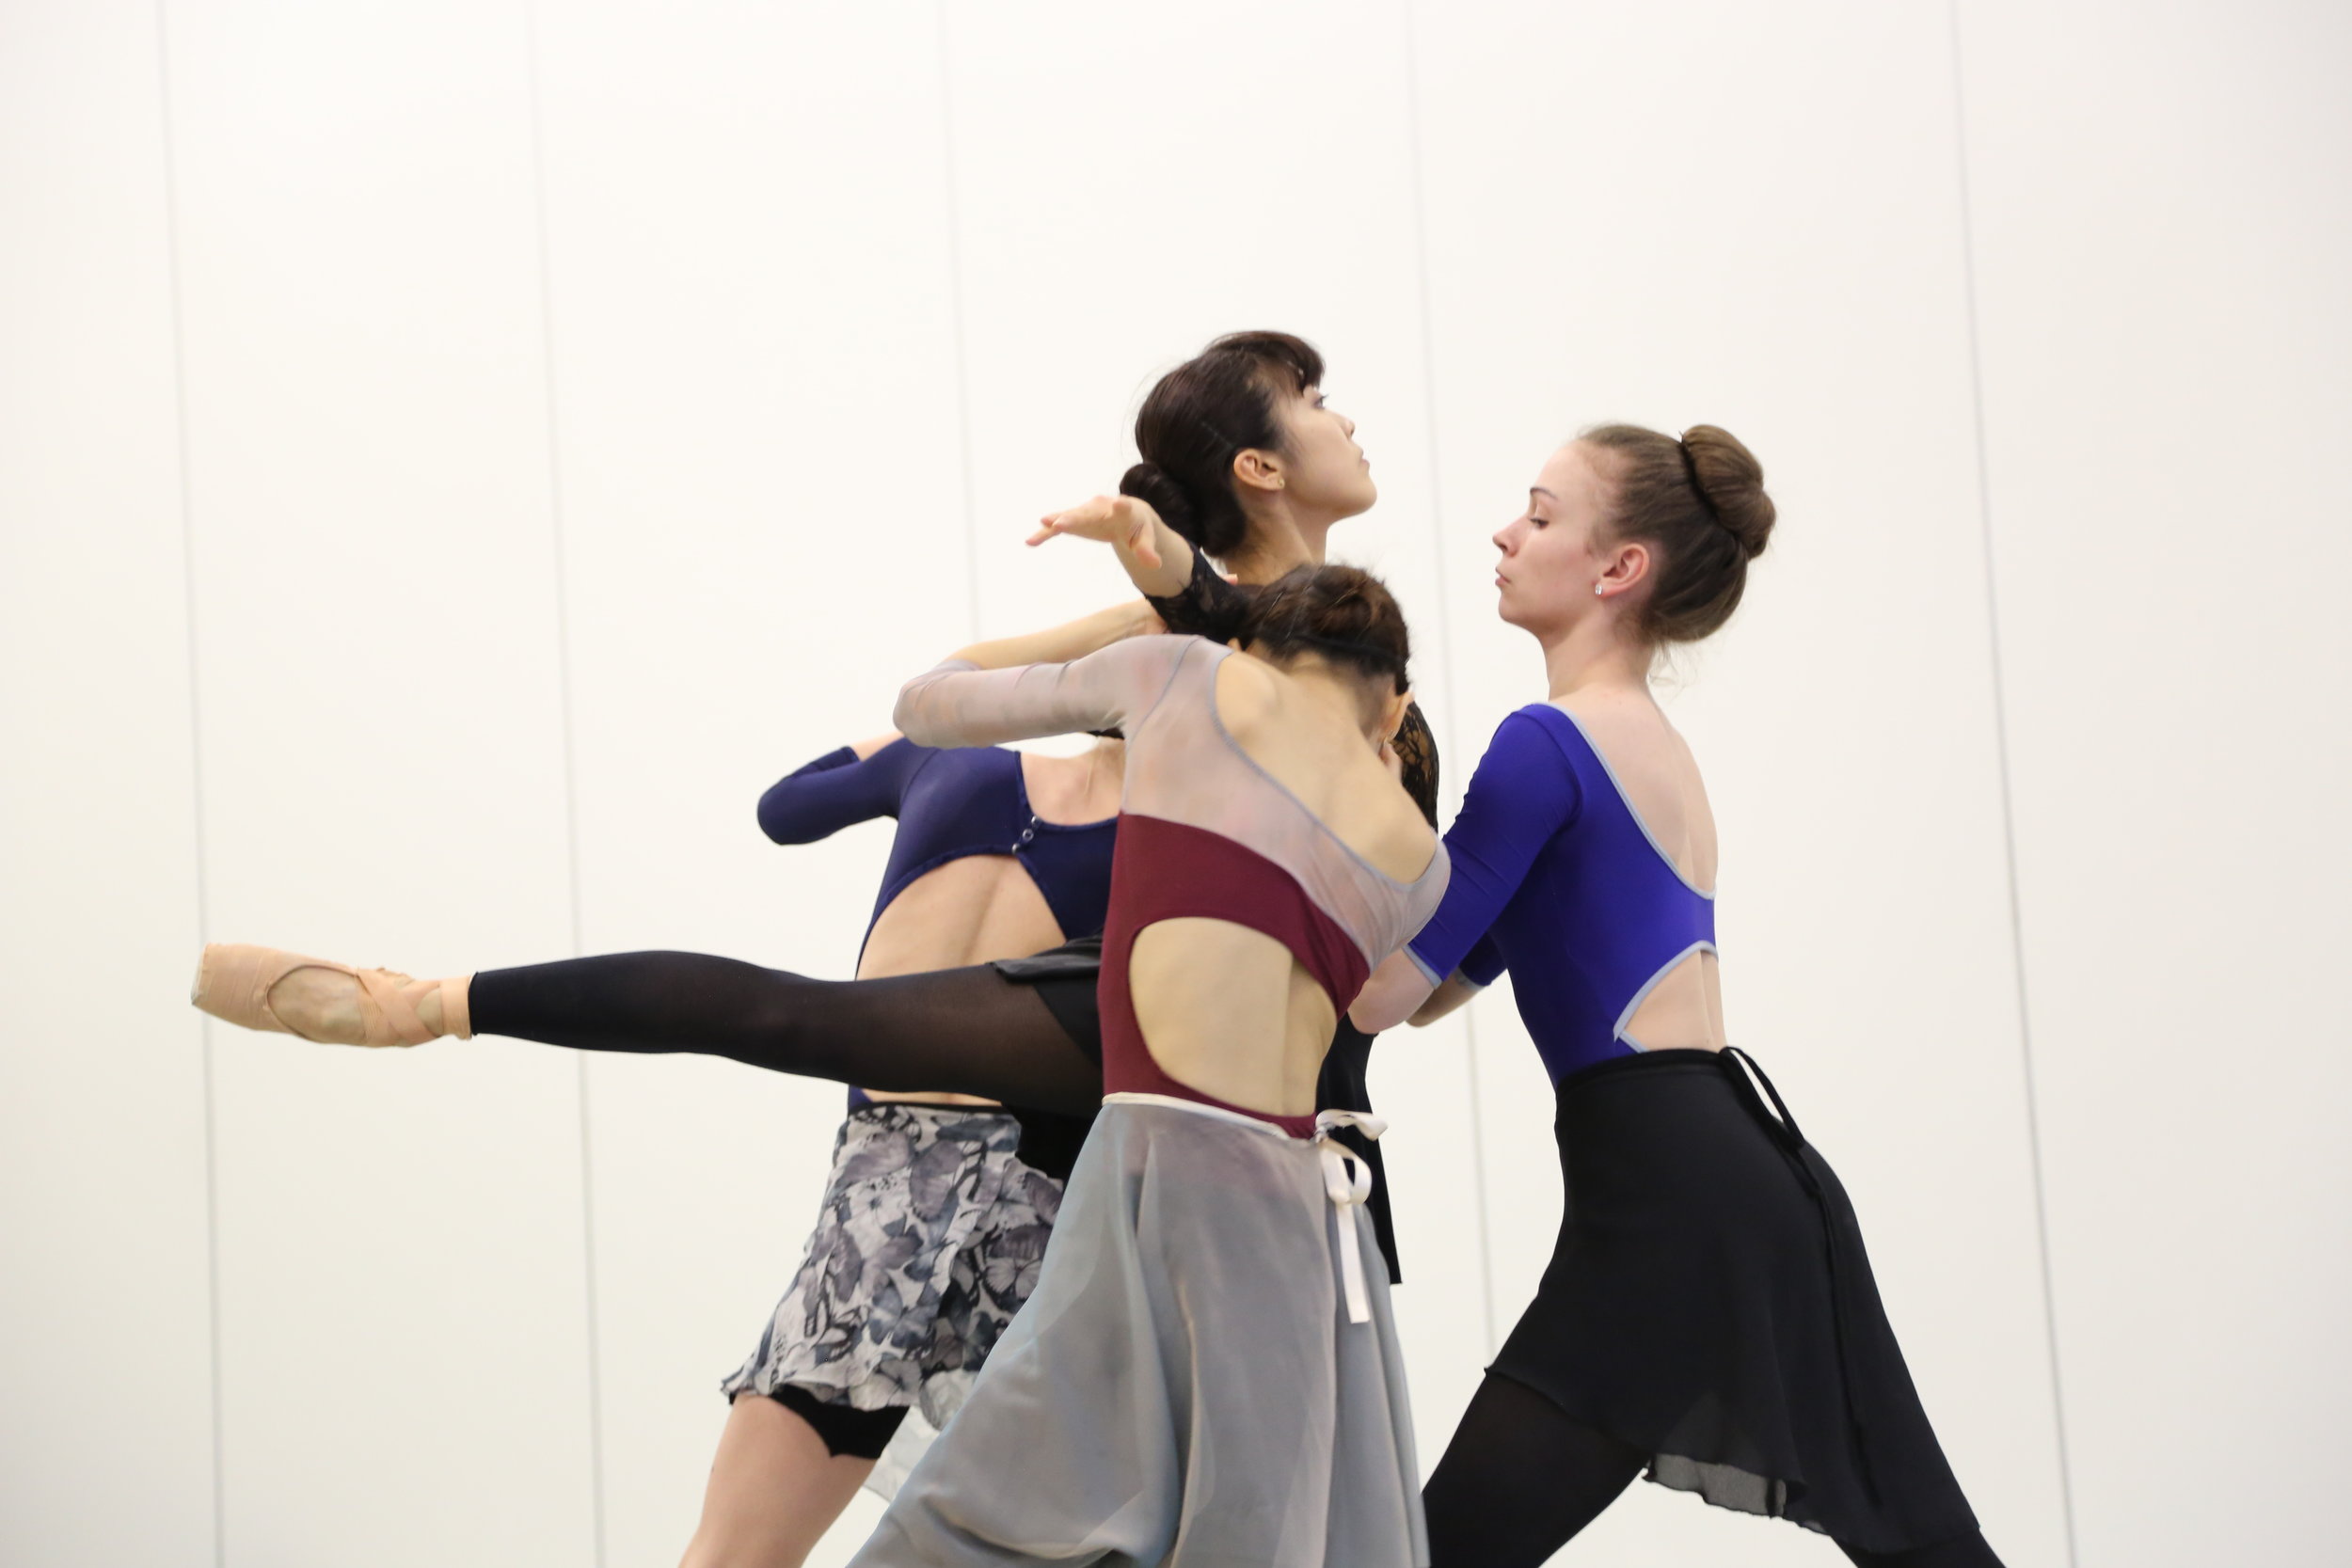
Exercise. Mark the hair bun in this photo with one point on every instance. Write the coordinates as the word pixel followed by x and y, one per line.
pixel 1158 488
pixel 1342 613
pixel 1732 482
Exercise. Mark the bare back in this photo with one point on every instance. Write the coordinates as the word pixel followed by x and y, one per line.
pixel 1654 768
pixel 982 908
pixel 978 909
pixel 1276 766
pixel 1255 1034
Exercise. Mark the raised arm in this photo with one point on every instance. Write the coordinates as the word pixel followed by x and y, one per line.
pixel 1522 795
pixel 851 784
pixel 1072 640
pixel 1158 560
pixel 1180 583
pixel 966 703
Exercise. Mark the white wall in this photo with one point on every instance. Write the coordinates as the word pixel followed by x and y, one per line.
pixel 452 458
pixel 2164 321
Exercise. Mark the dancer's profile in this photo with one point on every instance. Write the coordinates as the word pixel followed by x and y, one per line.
pixel 1239 446
pixel 1709 1316
pixel 1206 1374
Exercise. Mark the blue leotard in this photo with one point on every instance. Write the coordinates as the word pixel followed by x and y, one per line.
pixel 1557 879
pixel 949 804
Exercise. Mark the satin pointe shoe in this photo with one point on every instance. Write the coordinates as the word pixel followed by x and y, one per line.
pixel 233 982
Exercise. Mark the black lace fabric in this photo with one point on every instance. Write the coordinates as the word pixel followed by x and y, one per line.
pixel 1210 607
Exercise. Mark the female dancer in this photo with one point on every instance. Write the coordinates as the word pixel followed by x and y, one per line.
pixel 935 1213
pixel 1709 1316
pixel 1244 455
pixel 1205 1374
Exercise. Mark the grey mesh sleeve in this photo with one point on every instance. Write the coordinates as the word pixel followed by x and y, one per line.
pixel 957 704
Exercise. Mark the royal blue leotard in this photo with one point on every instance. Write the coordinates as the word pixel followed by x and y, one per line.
pixel 949 804
pixel 1557 879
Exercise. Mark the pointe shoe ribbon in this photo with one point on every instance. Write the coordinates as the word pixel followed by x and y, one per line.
pixel 234 980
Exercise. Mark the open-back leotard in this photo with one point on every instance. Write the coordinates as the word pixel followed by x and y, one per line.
pixel 1204 831
pixel 1557 878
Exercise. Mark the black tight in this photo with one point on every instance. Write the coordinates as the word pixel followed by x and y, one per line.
pixel 1968 1552
pixel 1521 1477
pixel 1518 1478
pixel 958 1031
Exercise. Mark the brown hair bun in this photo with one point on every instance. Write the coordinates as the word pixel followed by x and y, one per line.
pixel 1699 503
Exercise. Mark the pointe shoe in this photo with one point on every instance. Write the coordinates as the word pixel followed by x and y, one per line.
pixel 233 982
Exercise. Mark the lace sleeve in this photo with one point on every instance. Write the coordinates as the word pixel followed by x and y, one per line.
pixel 1208 605
pixel 1416 748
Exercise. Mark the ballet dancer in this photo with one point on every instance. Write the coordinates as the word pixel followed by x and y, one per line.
pixel 937 1208
pixel 1206 1374
pixel 1241 448
pixel 1708 1317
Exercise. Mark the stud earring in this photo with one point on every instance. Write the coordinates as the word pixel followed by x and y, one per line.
pixel 1598 588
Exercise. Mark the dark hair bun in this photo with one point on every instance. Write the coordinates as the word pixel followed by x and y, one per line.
pixel 1733 482
pixel 1199 416
pixel 1158 488
pixel 1342 613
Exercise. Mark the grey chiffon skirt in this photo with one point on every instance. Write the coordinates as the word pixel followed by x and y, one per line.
pixel 1187 1386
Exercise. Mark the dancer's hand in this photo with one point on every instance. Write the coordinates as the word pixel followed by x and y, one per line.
pixel 1120 521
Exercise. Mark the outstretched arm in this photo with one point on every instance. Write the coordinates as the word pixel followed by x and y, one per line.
pixel 1158 560
pixel 1522 795
pixel 1072 640
pixel 1182 584
pixel 847 786
pixel 963 703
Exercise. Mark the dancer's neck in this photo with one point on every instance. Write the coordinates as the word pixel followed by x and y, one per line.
pixel 1592 653
pixel 1279 542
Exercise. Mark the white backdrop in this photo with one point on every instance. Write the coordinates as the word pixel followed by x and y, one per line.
pixel 453 456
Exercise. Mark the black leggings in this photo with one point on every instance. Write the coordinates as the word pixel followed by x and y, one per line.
pixel 957 1031
pixel 1521 1477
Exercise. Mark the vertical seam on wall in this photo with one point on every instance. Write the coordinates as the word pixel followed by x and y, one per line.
pixel 2001 756
pixel 571 784
pixel 195 770
pixel 955 319
pixel 1445 631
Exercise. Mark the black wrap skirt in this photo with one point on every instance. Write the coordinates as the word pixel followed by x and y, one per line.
pixel 1710 1301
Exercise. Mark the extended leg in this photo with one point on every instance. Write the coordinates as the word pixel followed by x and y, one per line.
pixel 962 1031
pixel 1518 1478
pixel 1969 1552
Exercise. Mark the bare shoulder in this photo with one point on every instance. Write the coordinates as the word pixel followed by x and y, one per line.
pixel 1248 693
pixel 1657 772
pixel 1631 733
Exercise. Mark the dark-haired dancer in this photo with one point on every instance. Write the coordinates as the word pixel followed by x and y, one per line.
pixel 1709 1316
pixel 1240 446
pixel 1207 1374
pixel 937 1209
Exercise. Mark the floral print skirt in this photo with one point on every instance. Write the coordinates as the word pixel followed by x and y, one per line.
pixel 932 1237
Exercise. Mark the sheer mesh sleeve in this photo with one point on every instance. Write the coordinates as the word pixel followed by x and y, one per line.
pixel 1210 607
pixel 959 704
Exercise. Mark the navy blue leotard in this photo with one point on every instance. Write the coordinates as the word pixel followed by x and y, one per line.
pixel 949 804
pixel 1557 879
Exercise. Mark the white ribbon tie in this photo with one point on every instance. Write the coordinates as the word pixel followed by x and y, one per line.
pixel 1347 1181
